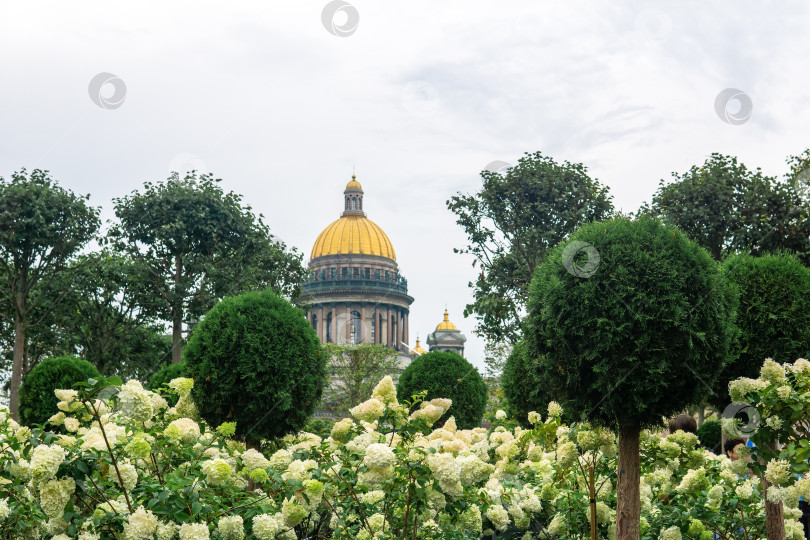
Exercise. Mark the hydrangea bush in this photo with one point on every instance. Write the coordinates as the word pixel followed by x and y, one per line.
pixel 123 464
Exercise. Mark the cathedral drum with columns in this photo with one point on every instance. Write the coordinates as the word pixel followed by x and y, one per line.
pixel 355 293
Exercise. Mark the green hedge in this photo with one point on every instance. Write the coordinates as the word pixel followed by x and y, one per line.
pixel 256 360
pixel 37 400
pixel 447 375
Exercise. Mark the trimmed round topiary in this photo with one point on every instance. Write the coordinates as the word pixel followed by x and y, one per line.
pixel 524 388
pixel 256 361
pixel 774 315
pixel 165 375
pixel 447 375
pixel 709 435
pixel 37 400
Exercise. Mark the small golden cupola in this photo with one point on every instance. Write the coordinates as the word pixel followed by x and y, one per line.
pixel 418 348
pixel 446 324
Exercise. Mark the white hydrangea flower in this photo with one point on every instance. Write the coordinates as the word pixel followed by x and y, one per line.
pixel 379 456
pixel 217 471
pixel 772 372
pixel 194 531
pixel 135 402
pixel 182 385
pixel 231 528
pixel 499 517
pixel 672 533
pixel 554 409
pixel 45 461
pixel 368 411
pixel 54 496
pixel 500 414
pixel 534 417
pixel 183 430
pixel 777 471
pixel 253 459
pixel 5 511
pixel 141 525
pixel 386 392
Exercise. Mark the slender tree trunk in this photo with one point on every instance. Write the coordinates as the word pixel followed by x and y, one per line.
pixel 255 445
pixel 177 314
pixel 592 490
pixel 774 513
pixel 17 366
pixel 701 415
pixel 628 496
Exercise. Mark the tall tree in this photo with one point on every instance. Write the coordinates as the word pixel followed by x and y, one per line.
pixel 728 208
pixel 632 335
pixel 197 244
pixel 104 322
pixel 41 227
pixel 354 371
pixel 512 222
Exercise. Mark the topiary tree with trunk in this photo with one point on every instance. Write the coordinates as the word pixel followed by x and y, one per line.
pixel 630 321
pixel 774 315
pixel 447 375
pixel 37 400
pixel 256 361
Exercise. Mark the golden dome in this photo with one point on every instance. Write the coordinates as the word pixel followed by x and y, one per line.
pixel 353 184
pixel 418 349
pixel 446 324
pixel 353 234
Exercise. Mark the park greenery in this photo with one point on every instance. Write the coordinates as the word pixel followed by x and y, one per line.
pixel 599 326
pixel 118 462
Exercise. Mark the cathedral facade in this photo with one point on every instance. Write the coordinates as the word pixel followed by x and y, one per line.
pixel 355 292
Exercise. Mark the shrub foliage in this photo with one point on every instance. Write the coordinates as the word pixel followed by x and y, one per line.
pixel 37 400
pixel 256 361
pixel 447 375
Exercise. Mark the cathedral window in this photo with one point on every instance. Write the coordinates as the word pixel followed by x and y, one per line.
pixel 354 330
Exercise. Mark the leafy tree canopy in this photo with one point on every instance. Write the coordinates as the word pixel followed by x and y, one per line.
pixel 42 226
pixel 37 400
pixel 728 208
pixel 512 222
pixel 197 244
pixel 354 371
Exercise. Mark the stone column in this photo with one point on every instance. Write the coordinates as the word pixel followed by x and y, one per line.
pixel 348 335
pixel 321 326
pixel 333 325
pixel 362 323
pixel 407 338
pixel 387 326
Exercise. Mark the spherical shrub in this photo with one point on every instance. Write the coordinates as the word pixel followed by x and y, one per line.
pixel 256 361
pixel 166 374
pixel 709 435
pixel 447 375
pixel 525 389
pixel 37 400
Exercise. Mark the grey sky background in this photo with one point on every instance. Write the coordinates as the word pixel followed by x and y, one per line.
pixel 420 98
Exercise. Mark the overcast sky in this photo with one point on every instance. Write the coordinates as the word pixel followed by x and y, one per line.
pixel 281 100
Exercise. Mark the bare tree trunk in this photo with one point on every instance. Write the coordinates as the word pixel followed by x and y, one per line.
pixel 255 445
pixel 701 415
pixel 177 315
pixel 592 492
pixel 774 513
pixel 628 496
pixel 17 367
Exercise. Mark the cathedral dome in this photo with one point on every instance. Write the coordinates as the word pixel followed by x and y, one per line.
pixel 353 234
